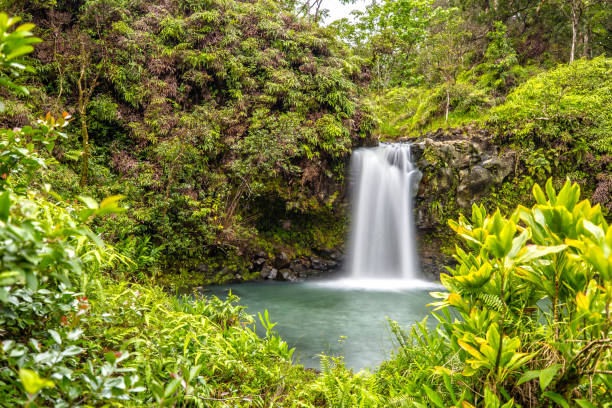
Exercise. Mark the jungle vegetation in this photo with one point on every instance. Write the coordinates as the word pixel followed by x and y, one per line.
pixel 145 141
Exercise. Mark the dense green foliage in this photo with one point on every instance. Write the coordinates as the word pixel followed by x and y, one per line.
pixel 568 106
pixel 209 117
pixel 70 337
pixel 223 128
pixel 495 70
pixel 449 62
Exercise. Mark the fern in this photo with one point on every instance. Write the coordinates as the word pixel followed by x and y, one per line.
pixel 492 301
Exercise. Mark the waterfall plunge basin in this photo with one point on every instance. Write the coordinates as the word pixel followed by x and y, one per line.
pixel 348 316
pixel 344 317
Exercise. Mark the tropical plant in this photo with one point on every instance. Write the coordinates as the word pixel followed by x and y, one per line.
pixel 547 262
pixel 15 42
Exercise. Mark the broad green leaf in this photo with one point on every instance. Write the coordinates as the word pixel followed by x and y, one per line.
pixel 539 195
pixel 434 397
pixel 518 242
pixel 550 192
pixel 9 278
pixel 531 252
pixel 556 398
pixel 595 230
pixel 89 202
pixel 31 280
pixel 32 382
pixel 585 403
pixel 528 376
pixel 111 202
pixel 74 335
pixel 18 52
pixel 547 375
pixel 171 387
pixel 5 206
pixel 470 349
pixel 56 336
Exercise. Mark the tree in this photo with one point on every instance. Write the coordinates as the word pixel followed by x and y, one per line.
pixel 312 9
pixel 86 84
pixel 443 53
pixel 575 11
pixel 391 34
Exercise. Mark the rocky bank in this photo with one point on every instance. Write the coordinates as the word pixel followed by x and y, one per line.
pixel 459 167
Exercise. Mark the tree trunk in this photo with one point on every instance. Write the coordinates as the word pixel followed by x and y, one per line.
pixel 82 108
pixel 574 32
pixel 86 88
pixel 86 153
pixel 447 105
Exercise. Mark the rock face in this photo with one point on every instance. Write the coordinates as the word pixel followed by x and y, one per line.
pixel 460 167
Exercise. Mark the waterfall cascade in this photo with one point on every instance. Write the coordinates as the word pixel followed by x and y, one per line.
pixel 382 243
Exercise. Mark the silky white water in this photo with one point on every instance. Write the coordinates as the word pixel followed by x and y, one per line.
pixel 382 245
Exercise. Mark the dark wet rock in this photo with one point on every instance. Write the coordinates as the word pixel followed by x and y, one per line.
pixel 432 257
pixel 474 183
pixel 268 272
pixel 501 166
pixel 288 275
pixel 297 266
pixel 282 260
pixel 460 167
pixel 320 264
pixel 284 268
pixel 336 256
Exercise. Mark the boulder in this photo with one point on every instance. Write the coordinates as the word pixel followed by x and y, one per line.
pixel 259 261
pixel 473 185
pixel 268 272
pixel 500 166
pixel 282 260
pixel 297 266
pixel 459 166
pixel 288 275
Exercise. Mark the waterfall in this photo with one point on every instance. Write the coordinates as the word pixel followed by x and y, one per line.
pixel 382 243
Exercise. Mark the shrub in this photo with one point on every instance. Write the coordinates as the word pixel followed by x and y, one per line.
pixel 562 106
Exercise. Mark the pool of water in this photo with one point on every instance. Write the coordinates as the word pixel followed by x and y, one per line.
pixel 340 317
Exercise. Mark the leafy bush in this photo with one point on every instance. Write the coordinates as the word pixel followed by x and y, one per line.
pixel 69 336
pixel 561 107
pixel 200 115
pixel 525 321
pixel 16 42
